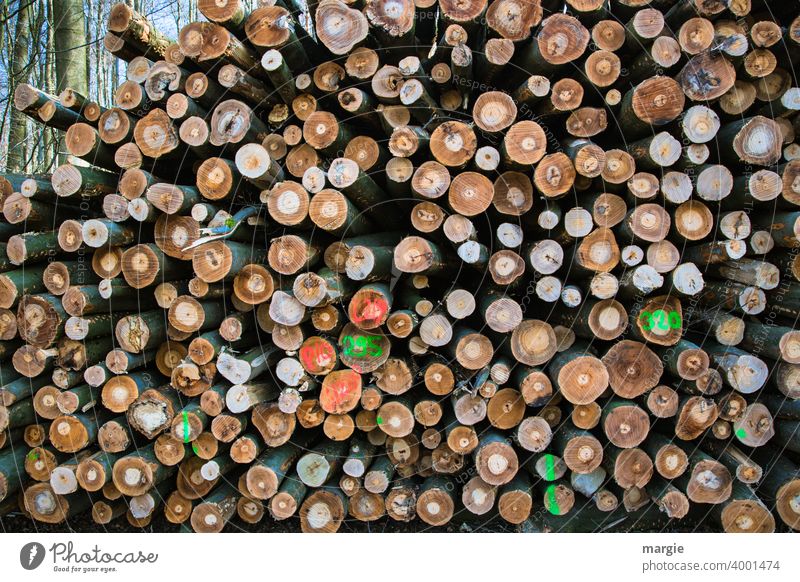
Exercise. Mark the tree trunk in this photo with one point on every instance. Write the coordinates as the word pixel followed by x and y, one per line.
pixel 20 73
pixel 71 49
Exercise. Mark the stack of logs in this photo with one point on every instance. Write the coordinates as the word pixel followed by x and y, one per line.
pixel 512 262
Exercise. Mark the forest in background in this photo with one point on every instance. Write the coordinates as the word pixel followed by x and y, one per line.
pixel 55 44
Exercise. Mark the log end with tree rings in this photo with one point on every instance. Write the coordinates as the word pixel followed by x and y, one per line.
pixel 603 68
pixel 700 123
pixel 533 342
pixel 396 419
pixel 583 454
pixel 586 416
pixel 494 111
pixel 706 76
pixel 546 256
pixel 413 255
pixel 253 284
pixel 512 19
pixel 710 482
pixel 534 434
pixel 619 167
pixel 633 368
pixel 435 505
pixel 626 426
pixel 756 426
pixel 470 193
pixel 525 143
pixel 562 39
pixel 322 511
pixel 658 100
pixel 608 209
pixel 453 143
pixel 583 379
pixel 649 222
pixel 598 251
pixel 747 516
pixel 496 462
pixel 288 203
pixel 431 180
pixel 662 402
pixel 587 121
pixel 45 505
pixel 758 142
pixel 608 319
pixel 589 159
pixel 339 27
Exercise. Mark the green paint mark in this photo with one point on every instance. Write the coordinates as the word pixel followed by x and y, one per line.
pixel 549 468
pixel 660 319
pixel 551 497
pixel 185 427
pixel 379 420
pixel 550 475
pixel 194 448
pixel 360 346
pixel 229 222
pixel 741 433
pixel 33 456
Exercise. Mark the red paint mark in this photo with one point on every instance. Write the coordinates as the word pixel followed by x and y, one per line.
pixel 369 309
pixel 317 354
pixel 341 386
pixel 338 394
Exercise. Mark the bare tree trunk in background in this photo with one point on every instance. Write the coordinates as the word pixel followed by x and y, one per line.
pixel 94 55
pixel 6 18
pixel 114 81
pixel 176 13
pixel 49 150
pixel 103 64
pixel 113 65
pixel 69 22
pixel 20 73
pixel 87 38
pixel 8 104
